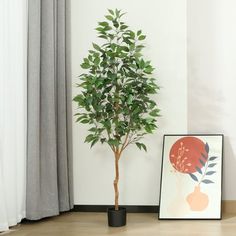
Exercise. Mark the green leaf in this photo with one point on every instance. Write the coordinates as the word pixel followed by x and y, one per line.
pixel 96 60
pixel 111 11
pixel 104 23
pixel 117 12
pixel 100 29
pixel 85 121
pixel 149 120
pixel 89 138
pixel 152 104
pixel 107 124
pixel 126 40
pixel 115 23
pixel 144 147
pixel 93 129
pixel 85 65
pixel 78 98
pixel 140 146
pixel 126 49
pixel 81 118
pixel 109 17
pixel 122 14
pixel 91 51
pixel 137 55
pixel 103 36
pixel 130 99
pixel 132 34
pixel 148 129
pixel 132 46
pixel 94 142
pixel 113 142
pixel 90 57
pixel 148 70
pixel 139 32
pixel 142 64
pixel 86 60
pixel 123 27
pixel 154 112
pixel 107 28
pixel 96 47
pixel 141 37
pixel 103 140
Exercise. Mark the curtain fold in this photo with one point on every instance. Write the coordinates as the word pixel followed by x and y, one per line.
pixel 49 151
pixel 13 77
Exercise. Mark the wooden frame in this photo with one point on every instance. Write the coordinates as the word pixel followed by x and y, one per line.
pixel 191 176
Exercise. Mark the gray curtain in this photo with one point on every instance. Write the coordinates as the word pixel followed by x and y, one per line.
pixel 49 188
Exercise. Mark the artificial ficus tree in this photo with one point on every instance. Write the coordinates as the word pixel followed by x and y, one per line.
pixel 115 98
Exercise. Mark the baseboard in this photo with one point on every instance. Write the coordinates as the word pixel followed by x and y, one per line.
pixel 229 206
pixel 103 208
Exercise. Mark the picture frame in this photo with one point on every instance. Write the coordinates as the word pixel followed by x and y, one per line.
pixel 191 177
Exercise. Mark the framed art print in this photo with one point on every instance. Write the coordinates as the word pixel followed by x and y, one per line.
pixel 191 178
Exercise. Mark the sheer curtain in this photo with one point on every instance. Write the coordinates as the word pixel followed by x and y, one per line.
pixel 13 76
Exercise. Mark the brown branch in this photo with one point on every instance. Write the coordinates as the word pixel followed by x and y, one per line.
pixel 117 157
pixel 112 148
pixel 125 143
pixel 131 141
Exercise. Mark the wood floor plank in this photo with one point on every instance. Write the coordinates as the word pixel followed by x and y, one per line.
pixel 138 224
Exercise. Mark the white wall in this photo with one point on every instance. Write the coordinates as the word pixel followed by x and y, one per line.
pixel 211 77
pixel 164 22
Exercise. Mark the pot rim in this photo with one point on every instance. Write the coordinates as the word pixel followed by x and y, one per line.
pixel 113 209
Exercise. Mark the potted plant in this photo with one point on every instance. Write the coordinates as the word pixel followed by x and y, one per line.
pixel 115 98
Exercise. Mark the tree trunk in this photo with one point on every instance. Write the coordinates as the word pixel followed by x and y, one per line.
pixel 117 155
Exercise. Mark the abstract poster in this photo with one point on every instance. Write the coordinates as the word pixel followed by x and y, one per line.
pixel 191 178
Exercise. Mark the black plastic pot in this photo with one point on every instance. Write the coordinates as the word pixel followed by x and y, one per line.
pixel 116 218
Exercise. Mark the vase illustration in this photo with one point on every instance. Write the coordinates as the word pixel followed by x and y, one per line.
pixel 178 206
pixel 197 200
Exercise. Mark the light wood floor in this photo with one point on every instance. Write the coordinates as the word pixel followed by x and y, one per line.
pixel 95 224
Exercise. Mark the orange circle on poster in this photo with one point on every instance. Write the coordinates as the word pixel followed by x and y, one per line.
pixel 187 154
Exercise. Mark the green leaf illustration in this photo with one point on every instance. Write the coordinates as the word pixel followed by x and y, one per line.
pixel 207 181
pixel 198 170
pixel 193 177
pixel 207 148
pixel 202 162
pixel 212 158
pixel 210 172
pixel 204 156
pixel 212 165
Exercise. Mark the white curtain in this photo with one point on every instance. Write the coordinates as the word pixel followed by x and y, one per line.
pixel 13 76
